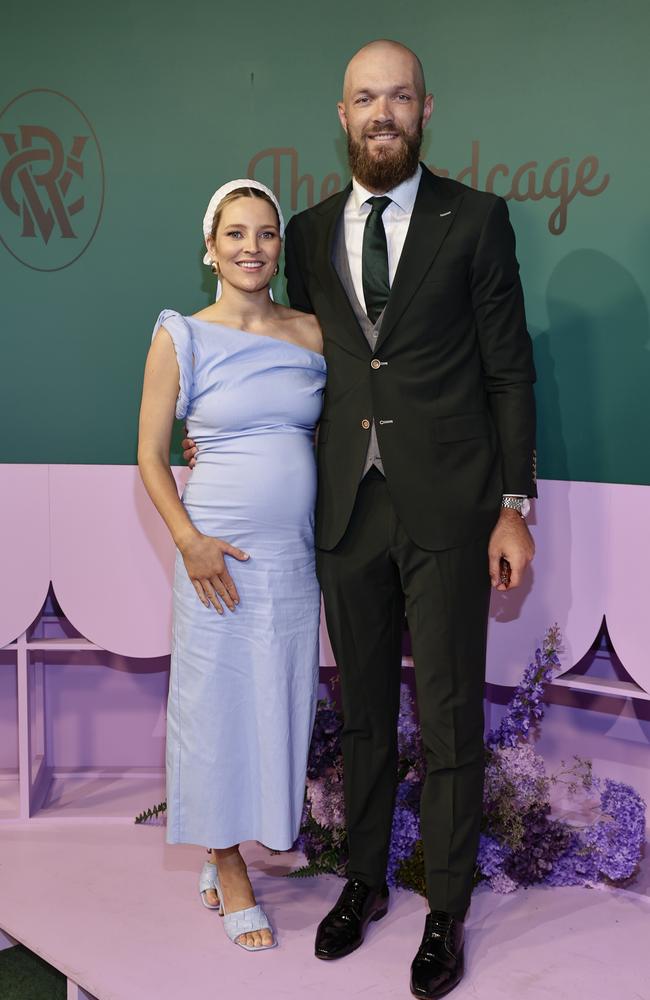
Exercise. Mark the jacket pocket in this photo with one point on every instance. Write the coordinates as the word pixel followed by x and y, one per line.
pixel 461 427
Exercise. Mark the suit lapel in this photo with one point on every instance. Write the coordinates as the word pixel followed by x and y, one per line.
pixel 324 262
pixel 433 215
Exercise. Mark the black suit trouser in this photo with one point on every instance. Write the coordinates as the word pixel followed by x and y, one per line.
pixel 369 579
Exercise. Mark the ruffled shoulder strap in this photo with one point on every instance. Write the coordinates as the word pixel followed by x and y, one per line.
pixel 180 331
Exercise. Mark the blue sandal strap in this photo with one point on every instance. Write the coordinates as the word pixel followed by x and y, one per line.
pixel 207 879
pixel 245 922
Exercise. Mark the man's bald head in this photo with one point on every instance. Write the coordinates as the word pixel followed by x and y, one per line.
pixel 384 109
pixel 383 51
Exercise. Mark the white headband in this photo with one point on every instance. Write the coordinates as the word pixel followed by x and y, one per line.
pixel 218 196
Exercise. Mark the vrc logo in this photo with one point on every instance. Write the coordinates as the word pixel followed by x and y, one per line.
pixel 51 180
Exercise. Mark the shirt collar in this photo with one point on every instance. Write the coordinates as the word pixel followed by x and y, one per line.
pixel 403 195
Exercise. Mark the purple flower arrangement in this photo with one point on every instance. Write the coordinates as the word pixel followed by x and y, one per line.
pixel 521 843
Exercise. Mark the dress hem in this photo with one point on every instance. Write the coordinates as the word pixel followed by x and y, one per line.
pixel 240 840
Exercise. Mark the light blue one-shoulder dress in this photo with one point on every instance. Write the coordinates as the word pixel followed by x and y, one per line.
pixel 243 685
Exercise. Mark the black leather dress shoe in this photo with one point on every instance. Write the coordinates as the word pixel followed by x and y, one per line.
pixel 438 965
pixel 344 927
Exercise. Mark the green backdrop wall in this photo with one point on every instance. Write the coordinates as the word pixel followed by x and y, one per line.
pixel 135 112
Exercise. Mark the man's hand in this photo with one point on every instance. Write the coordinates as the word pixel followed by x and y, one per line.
pixel 511 540
pixel 190 451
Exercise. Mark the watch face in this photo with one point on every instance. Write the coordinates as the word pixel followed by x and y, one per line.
pixel 525 507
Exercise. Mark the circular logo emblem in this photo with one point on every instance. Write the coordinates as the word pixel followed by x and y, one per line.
pixel 51 180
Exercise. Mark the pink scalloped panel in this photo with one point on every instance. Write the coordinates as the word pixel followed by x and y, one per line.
pixel 628 586
pixel 567 583
pixel 112 558
pixel 24 546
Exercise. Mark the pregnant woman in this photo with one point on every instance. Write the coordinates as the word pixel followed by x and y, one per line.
pixel 247 376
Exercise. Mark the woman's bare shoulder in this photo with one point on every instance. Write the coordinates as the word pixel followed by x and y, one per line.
pixel 305 329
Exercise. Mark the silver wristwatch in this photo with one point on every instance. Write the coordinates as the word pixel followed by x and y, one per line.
pixel 520 504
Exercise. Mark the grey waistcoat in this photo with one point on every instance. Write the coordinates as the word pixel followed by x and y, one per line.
pixel 370 330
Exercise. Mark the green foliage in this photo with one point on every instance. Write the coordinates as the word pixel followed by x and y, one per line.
pixel 410 873
pixel 152 813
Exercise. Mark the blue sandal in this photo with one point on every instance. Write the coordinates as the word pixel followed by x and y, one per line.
pixel 239 922
pixel 208 880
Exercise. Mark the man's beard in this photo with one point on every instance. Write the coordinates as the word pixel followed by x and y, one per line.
pixel 388 169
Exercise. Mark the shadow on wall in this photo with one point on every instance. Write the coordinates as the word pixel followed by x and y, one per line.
pixel 593 369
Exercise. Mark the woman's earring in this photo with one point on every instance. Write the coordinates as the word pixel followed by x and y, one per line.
pixel 215 268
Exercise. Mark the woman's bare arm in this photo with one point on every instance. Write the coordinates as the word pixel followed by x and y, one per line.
pixel 203 555
pixel 159 393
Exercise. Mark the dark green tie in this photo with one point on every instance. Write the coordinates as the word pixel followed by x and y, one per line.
pixel 374 259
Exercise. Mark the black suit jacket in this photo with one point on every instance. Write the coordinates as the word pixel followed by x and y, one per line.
pixel 453 397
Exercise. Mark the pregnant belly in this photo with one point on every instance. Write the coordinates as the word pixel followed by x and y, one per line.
pixel 255 482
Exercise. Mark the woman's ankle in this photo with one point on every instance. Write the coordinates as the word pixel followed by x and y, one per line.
pixel 228 857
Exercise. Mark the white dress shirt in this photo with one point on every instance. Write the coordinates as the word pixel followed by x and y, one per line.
pixel 396 218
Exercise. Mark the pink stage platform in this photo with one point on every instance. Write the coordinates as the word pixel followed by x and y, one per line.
pixel 117 910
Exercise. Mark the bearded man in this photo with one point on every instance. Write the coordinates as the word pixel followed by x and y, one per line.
pixel 425 456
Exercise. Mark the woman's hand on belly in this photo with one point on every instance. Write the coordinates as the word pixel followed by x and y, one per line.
pixel 204 559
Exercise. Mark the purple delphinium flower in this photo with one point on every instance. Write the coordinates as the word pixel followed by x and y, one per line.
pixel 325 750
pixel 408 730
pixel 491 859
pixel 404 834
pixel 325 796
pixel 502 883
pixel 617 839
pixel 544 840
pixel 491 856
pixel 312 842
pixel 525 709
pixel 611 847
pixel 408 794
pixel 575 866
pixel 519 773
